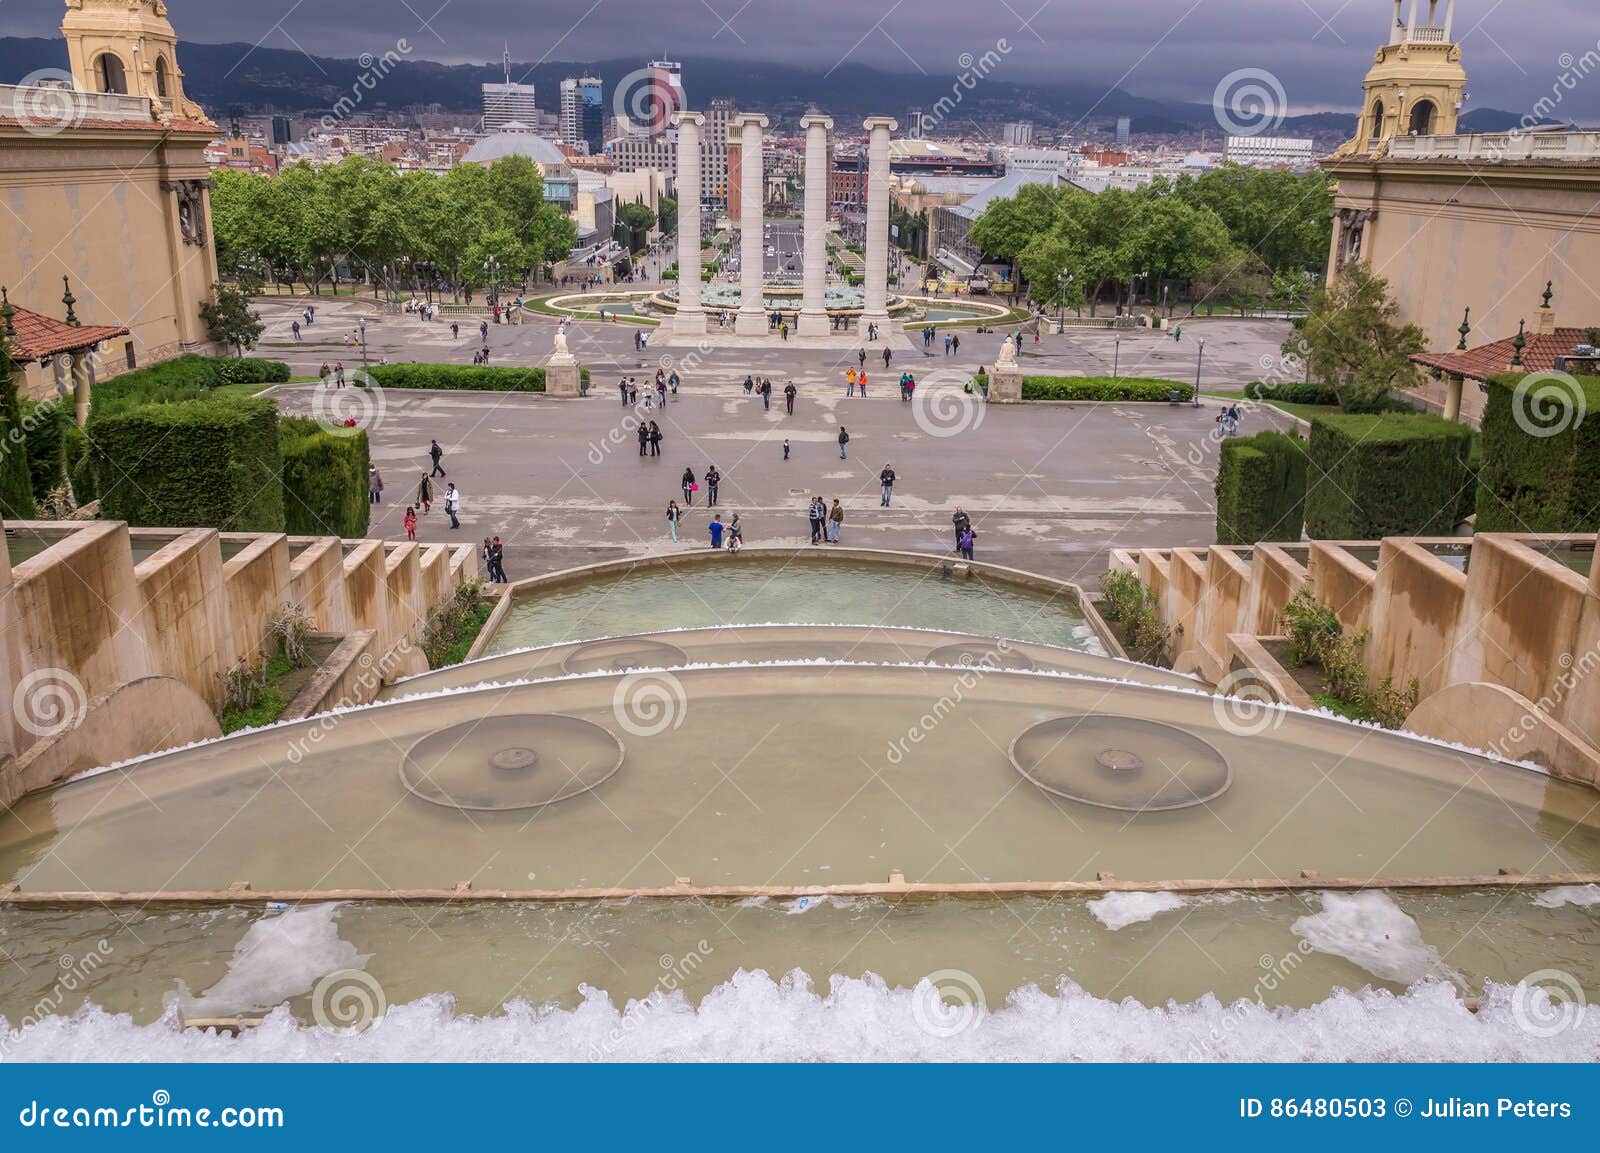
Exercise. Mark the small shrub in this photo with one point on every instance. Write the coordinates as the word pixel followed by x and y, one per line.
pixel 459 376
pixel 1309 624
pixel 57 504
pixel 1315 635
pixel 454 625
pixel 1134 609
pixel 289 628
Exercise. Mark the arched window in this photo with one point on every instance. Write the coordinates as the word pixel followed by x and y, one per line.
pixel 161 77
pixel 1422 116
pixel 1377 121
pixel 110 74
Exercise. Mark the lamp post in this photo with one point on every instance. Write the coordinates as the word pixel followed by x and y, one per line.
pixel 361 330
pixel 491 276
pixel 1134 281
pixel 1063 282
pixel 1116 358
pixel 1166 294
pixel 1197 366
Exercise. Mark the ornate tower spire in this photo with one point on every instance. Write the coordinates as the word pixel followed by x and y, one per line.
pixel 128 47
pixel 1416 84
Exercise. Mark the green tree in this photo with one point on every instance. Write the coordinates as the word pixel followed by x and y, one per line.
pixel 638 220
pixel 667 209
pixel 16 485
pixel 228 318
pixel 1353 342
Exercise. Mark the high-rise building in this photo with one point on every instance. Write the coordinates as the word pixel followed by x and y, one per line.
pixel 282 131
pixel 665 95
pixel 507 103
pixel 1018 134
pixel 1124 130
pixel 716 172
pixel 583 113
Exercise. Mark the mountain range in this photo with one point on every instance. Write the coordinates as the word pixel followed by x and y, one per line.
pixel 239 79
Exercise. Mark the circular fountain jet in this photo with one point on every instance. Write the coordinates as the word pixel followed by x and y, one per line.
pixel 500 764
pixel 1123 763
pixel 618 653
pixel 980 654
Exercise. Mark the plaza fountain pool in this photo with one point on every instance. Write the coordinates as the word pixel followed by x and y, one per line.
pixel 710 590
pixel 793 775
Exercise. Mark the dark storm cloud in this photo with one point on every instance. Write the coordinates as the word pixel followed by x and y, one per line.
pixel 1175 49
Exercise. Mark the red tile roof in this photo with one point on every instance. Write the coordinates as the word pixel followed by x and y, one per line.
pixel 39 337
pixel 1491 360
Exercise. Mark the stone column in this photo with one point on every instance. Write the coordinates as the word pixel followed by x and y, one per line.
pixel 814 267
pixel 1453 388
pixel 752 318
pixel 691 318
pixel 875 309
pixel 82 385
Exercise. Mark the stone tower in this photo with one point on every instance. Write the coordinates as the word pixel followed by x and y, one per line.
pixel 128 47
pixel 1416 84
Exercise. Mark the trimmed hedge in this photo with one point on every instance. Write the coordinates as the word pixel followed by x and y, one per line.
pixel 80 464
pixel 1102 388
pixel 1389 474
pixel 1261 488
pixel 45 427
pixel 1544 477
pixel 324 479
pixel 214 463
pixel 1299 392
pixel 181 379
pixel 458 376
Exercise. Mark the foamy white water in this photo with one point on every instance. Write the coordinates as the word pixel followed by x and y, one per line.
pixel 1370 930
pixel 1583 896
pixel 754 1018
pixel 1119 910
pixel 278 958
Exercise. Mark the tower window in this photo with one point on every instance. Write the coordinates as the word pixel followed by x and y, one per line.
pixel 1422 117
pixel 110 74
pixel 1377 121
pixel 161 77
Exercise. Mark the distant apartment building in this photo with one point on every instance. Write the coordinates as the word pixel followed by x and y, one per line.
pixel 714 152
pixel 282 131
pixel 664 96
pixel 1058 160
pixel 1017 134
pixel 637 151
pixel 1124 131
pixel 1271 151
pixel 508 103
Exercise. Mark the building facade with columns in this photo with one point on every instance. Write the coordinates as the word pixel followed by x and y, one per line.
pixel 1458 222
pixel 105 178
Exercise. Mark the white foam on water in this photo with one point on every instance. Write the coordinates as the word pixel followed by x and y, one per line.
pixel 1370 930
pixel 1583 896
pixel 754 1018
pixel 1119 910
pixel 277 958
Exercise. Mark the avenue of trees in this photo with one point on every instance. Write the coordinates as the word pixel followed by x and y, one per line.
pixel 399 232
pixel 1235 237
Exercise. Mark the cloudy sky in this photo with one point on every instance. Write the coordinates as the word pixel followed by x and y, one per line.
pixel 1515 51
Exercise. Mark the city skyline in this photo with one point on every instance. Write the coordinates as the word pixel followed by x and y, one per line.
pixel 1176 50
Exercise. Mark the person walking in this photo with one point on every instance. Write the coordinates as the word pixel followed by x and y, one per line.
pixel 497 562
pixel 425 494
pixel 661 390
pixel 949 342
pixel 850 382
pixel 749 384
pixel 374 484
pixel 817 514
pixel 888 355
pixel 715 528
pixel 789 391
pixel 435 454
pixel 338 373
pixel 410 523
pixel 962 523
pixel 452 504
pixel 955 342
pixel 644 439
pixel 969 539
pixel 295 328
pixel 455 330
pixel 766 395
pixel 655 439
pixel 861 382
pixel 886 479
pixel 835 521
pixel 689 485
pixel 785 448
pixel 713 478
pixel 324 373
pixel 844 439
pixel 861 357
pixel 672 383
pixel 622 390
pixel 735 535
pixel 674 515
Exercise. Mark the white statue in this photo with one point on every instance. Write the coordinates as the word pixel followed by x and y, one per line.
pixel 562 356
pixel 1008 355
